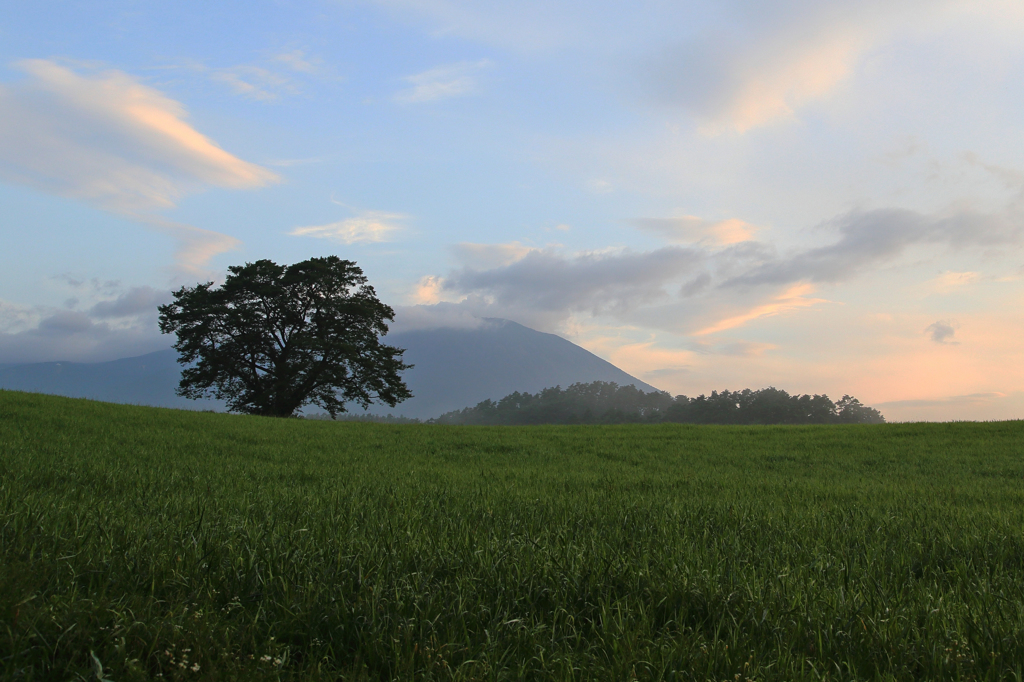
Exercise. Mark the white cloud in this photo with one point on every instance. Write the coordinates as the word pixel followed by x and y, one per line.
pixel 367 227
pixel 107 139
pixel 443 82
pixel 436 316
pixel 490 255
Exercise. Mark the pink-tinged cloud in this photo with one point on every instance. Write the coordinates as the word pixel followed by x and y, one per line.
pixel 794 298
pixel 122 146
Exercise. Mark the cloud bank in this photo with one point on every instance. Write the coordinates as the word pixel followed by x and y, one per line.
pixel 721 280
pixel 121 326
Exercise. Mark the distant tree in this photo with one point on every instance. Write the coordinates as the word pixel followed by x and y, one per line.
pixel 849 410
pixel 274 338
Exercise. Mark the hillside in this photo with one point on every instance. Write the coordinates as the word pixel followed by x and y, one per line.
pixel 454 368
pixel 143 543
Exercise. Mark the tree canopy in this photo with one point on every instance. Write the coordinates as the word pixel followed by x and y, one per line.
pixel 274 338
pixel 604 402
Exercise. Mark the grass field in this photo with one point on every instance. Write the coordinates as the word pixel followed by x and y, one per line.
pixel 141 543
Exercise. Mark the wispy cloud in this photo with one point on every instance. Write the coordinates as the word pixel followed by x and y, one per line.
pixel 266 80
pixel 490 255
pixel 775 58
pixel 297 60
pixel 367 227
pixel 951 281
pixel 690 229
pixel 793 298
pixel 252 81
pixel 443 82
pixel 109 140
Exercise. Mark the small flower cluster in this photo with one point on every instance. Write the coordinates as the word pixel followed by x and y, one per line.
pixel 181 662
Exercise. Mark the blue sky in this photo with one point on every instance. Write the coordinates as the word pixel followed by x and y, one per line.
pixel 821 196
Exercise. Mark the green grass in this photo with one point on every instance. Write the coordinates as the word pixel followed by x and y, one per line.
pixel 151 542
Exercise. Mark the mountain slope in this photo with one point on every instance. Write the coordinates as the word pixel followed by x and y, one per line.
pixel 454 368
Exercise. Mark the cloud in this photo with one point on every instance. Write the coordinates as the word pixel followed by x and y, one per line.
pixel 428 291
pixel 121 146
pixel 546 281
pixel 437 316
pixel 870 238
pixel 773 58
pixel 136 301
pixel 528 25
pixel 992 405
pixel 251 81
pixel 950 281
pixel 266 81
pixel 297 61
pixel 696 285
pixel 76 337
pixel 367 227
pixel 195 246
pixel 109 140
pixel 489 255
pixel 689 229
pixel 14 317
pixel 113 327
pixel 793 298
pixel 943 331
pixel 702 289
pixel 443 82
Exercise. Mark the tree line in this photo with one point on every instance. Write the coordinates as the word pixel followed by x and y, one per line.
pixel 603 402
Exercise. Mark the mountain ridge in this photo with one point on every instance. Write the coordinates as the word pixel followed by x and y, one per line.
pixel 453 368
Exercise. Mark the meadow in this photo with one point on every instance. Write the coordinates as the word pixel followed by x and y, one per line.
pixel 141 543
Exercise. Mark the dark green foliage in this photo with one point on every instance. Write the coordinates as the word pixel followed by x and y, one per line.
pixel 603 402
pixel 191 546
pixel 600 402
pixel 769 406
pixel 273 338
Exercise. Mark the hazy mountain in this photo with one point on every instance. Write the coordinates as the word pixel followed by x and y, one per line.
pixel 144 380
pixel 454 368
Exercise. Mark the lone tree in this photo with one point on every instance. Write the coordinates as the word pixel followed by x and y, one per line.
pixel 274 338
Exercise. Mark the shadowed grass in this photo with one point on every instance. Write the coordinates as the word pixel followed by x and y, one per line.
pixel 141 543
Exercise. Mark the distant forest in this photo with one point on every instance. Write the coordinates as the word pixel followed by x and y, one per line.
pixel 603 402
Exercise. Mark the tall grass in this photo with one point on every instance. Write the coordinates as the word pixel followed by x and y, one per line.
pixel 140 543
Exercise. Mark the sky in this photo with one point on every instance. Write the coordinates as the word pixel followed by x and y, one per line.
pixel 822 196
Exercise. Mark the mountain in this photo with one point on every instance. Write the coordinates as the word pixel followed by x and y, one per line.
pixel 144 380
pixel 454 368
